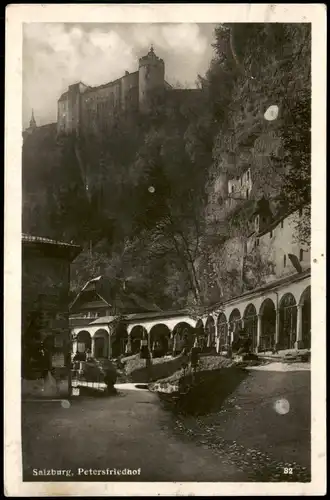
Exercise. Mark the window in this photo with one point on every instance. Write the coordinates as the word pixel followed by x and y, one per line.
pixel 257 242
pixel 247 194
pixel 256 223
pixel 284 261
pixel 248 175
pixel 282 224
pixel 300 212
pixel 232 189
pixel 301 255
pixel 271 234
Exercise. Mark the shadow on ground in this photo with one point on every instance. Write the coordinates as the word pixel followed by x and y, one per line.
pixel 89 392
pixel 208 392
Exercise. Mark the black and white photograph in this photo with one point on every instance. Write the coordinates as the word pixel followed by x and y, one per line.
pixel 167 255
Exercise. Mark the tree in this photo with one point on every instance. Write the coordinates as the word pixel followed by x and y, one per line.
pixel 142 188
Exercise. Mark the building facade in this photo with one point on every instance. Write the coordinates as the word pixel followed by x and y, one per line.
pixel 274 308
pixel 94 317
pixel 273 268
pixel 45 316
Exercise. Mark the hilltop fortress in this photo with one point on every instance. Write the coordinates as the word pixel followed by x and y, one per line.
pixel 83 108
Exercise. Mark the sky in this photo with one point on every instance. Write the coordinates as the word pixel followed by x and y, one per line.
pixel 56 55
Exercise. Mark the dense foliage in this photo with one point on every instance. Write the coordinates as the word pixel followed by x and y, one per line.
pixel 136 197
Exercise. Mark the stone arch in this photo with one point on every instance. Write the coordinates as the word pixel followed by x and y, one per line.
pixel 305 304
pixel 200 333
pixel 222 327
pixel 305 296
pixel 182 336
pixel 287 322
pixel 183 327
pixel 267 312
pixel 159 339
pixel 119 339
pixel 200 326
pixel 235 322
pixel 138 333
pixel 101 343
pixel 84 341
pixel 251 324
pixel 210 332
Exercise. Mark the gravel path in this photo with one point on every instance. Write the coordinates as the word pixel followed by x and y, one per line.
pixel 127 431
pixel 263 428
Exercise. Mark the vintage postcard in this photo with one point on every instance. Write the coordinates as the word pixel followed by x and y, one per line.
pixel 165 250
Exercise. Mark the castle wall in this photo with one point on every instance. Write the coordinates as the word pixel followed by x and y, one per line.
pixel 130 91
pixel 74 107
pixel 62 115
pixel 99 106
pixel 84 108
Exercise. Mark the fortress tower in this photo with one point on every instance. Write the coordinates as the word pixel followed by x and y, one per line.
pixel 82 107
pixel 151 79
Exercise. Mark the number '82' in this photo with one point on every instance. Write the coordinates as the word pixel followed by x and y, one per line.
pixel 288 470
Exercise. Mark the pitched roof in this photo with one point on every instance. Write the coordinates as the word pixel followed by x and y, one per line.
pixel 141 316
pixel 67 250
pixel 125 301
pixel 41 239
pixel 103 320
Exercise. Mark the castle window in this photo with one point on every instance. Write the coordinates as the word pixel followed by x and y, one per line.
pixel 271 234
pixel 247 194
pixel 282 224
pixel 284 260
pixel 232 189
pixel 257 242
pixel 301 255
pixel 300 212
pixel 248 175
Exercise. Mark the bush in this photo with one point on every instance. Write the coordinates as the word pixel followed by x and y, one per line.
pixel 135 367
pixel 205 364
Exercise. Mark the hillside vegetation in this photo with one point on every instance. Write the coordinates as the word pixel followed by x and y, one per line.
pixel 136 198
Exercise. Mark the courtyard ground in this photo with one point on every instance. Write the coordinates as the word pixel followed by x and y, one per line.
pixel 264 425
pixel 127 431
pixel 261 428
